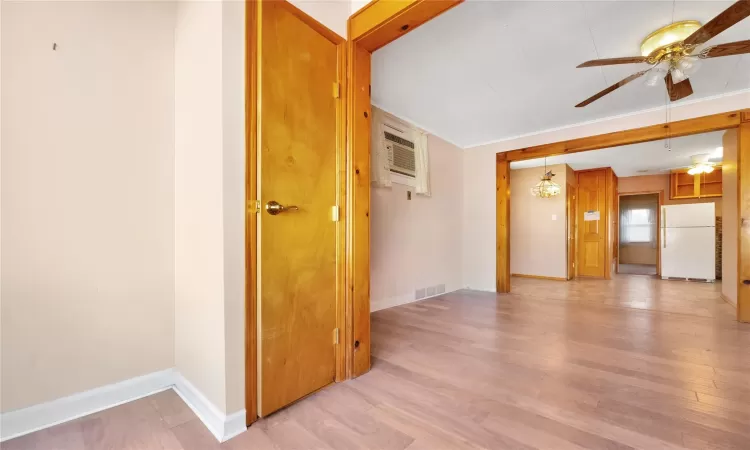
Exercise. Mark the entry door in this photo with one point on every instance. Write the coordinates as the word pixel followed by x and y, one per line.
pixel 592 234
pixel 298 189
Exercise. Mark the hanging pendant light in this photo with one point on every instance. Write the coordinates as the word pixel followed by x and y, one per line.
pixel 546 187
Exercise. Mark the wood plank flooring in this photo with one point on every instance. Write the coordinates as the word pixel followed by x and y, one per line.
pixel 637 269
pixel 629 363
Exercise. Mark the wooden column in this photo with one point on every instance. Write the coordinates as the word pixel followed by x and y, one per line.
pixel 358 207
pixel 743 186
pixel 503 224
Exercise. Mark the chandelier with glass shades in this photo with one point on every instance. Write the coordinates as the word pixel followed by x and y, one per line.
pixel 546 188
pixel 675 51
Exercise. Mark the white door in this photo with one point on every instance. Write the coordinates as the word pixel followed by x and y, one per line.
pixel 689 253
pixel 693 215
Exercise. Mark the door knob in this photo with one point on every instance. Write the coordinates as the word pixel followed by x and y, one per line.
pixel 274 207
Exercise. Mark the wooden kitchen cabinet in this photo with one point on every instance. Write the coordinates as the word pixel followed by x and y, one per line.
pixel 684 185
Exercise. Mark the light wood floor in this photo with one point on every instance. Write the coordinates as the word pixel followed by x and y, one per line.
pixel 628 363
pixel 637 269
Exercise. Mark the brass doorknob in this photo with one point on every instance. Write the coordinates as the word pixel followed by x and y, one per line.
pixel 274 207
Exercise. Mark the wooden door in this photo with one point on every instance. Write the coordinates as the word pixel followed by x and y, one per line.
pixel 592 234
pixel 298 170
pixel 571 230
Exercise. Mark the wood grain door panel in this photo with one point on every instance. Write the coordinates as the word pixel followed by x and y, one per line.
pixel 297 159
pixel 592 236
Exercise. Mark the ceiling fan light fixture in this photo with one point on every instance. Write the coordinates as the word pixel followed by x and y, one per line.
pixel 700 168
pixel 678 75
pixel 655 76
pixel 688 65
pixel 668 35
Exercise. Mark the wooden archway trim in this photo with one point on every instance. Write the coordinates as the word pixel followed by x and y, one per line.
pixel 739 120
pixel 377 24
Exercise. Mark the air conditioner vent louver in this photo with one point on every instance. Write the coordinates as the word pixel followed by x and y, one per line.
pixel 401 156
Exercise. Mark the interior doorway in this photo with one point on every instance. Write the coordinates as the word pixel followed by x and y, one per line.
pixel 639 238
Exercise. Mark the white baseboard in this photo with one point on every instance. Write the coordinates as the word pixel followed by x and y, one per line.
pixel 221 426
pixel 34 418
pixel 399 300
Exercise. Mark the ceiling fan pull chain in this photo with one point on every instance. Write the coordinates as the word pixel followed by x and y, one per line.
pixel 667 140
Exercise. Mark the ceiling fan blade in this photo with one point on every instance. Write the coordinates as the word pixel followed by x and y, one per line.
pixel 732 48
pixel 617 85
pixel 678 90
pixel 613 61
pixel 726 19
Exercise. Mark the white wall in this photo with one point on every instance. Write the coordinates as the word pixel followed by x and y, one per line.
pixel 87 196
pixel 199 257
pixel 729 220
pixel 209 200
pixel 233 109
pixel 479 177
pixel 417 243
pixel 538 226
pixel 332 13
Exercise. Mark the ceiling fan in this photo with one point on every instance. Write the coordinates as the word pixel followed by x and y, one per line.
pixel 674 52
pixel 700 164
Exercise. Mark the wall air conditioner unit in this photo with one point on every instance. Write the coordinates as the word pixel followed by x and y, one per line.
pixel 401 155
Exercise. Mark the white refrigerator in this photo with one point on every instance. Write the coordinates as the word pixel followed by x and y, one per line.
pixel 688 241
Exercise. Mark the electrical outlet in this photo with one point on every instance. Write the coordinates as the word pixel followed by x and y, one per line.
pixel 419 294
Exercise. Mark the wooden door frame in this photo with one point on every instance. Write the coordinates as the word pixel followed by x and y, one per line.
pixel 253 9
pixel 660 194
pixel 375 25
pixel 739 120
pixel 571 221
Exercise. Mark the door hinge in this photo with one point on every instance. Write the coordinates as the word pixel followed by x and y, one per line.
pixel 253 206
pixel 335 213
pixel 336 89
pixel 335 336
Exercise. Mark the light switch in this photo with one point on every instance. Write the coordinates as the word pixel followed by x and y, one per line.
pixel 554 216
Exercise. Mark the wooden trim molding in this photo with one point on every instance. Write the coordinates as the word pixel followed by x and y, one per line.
pixel 733 119
pixel 503 225
pixel 686 127
pixel 743 214
pixel 375 25
pixel 660 193
pixel 252 69
pixel 538 277
pixel 359 112
pixel 383 21
pixel 342 315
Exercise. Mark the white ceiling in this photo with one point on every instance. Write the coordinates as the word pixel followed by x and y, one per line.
pixel 636 159
pixel 490 70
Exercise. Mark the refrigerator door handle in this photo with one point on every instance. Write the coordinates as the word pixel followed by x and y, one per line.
pixel 664 226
